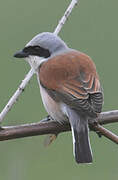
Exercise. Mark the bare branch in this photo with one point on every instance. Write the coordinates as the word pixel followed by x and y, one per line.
pixel 65 17
pixel 34 129
pixel 108 117
pixel 108 134
pixel 16 95
pixel 51 127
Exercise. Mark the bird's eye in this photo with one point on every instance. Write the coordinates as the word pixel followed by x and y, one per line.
pixel 36 48
pixel 27 49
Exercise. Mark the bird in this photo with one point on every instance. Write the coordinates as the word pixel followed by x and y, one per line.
pixel 69 86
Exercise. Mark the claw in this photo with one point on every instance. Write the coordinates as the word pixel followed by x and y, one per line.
pixel 48 118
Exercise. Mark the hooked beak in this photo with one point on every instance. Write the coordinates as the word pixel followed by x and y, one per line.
pixel 21 54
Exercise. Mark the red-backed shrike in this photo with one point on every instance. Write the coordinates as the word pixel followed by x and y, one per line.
pixel 69 86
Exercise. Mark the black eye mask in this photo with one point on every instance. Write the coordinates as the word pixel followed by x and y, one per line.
pixel 36 51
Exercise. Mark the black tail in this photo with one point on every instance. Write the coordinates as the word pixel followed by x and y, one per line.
pixel 81 146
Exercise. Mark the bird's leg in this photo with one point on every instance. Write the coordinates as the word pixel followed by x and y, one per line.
pixel 50 138
pixel 47 119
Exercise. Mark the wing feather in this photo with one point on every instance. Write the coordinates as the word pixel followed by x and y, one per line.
pixel 72 78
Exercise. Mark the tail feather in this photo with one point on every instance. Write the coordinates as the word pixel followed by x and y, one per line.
pixel 80 132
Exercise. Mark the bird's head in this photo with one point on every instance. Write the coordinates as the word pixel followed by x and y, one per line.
pixel 43 45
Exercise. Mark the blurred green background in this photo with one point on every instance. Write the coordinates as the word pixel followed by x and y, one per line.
pixel 92 28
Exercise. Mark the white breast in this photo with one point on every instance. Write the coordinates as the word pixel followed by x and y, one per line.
pixel 54 109
pixel 35 61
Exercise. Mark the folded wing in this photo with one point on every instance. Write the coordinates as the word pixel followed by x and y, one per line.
pixel 72 78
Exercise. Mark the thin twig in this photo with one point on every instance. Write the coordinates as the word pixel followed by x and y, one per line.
pixel 51 127
pixel 65 17
pixel 14 98
pixel 108 134
pixel 18 92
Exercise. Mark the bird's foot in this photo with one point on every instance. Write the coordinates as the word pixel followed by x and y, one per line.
pixel 50 138
pixel 47 119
